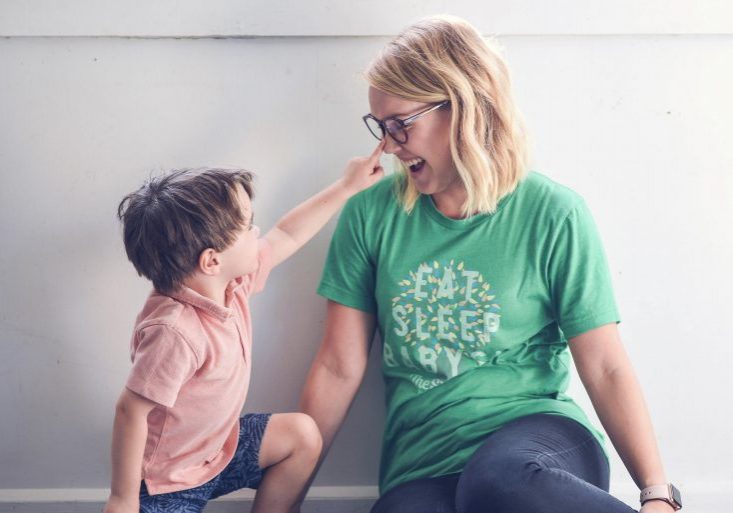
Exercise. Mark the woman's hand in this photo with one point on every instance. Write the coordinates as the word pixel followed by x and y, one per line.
pixel 656 507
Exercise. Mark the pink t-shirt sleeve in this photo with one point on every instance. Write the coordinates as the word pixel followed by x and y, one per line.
pixel 162 361
pixel 255 282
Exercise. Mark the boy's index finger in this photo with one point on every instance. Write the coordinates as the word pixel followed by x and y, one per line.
pixel 378 150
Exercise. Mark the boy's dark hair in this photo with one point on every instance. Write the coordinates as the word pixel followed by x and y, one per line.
pixel 171 219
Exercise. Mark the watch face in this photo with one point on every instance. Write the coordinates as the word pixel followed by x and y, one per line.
pixel 676 496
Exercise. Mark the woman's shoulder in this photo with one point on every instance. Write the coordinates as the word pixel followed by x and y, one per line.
pixel 540 191
pixel 377 197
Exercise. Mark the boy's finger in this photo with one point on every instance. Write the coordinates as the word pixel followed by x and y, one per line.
pixel 378 150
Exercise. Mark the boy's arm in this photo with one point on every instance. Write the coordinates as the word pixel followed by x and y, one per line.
pixel 128 445
pixel 304 221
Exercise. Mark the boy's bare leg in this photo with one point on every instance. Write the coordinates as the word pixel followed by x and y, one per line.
pixel 289 451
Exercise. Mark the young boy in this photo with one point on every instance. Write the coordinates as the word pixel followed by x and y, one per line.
pixel 178 438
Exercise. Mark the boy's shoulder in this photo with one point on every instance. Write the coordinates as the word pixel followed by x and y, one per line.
pixel 165 316
pixel 159 309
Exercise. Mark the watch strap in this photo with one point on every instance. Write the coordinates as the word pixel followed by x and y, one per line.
pixel 662 492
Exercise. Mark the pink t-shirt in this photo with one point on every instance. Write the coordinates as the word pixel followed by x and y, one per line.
pixel 193 357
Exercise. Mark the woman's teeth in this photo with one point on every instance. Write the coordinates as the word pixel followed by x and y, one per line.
pixel 413 163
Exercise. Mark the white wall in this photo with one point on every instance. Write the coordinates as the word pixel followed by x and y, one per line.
pixel 629 103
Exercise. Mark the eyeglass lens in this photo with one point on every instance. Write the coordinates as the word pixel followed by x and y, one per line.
pixel 393 127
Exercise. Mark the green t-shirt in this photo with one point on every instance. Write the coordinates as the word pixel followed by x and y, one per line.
pixel 474 314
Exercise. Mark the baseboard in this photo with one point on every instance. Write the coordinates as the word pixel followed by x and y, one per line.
pixel 714 497
pixel 320 499
pixel 100 494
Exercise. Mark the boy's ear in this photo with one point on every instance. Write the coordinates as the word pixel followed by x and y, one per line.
pixel 210 262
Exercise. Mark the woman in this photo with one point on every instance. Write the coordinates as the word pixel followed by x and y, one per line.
pixel 480 276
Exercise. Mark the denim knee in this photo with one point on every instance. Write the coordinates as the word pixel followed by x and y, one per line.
pixel 499 482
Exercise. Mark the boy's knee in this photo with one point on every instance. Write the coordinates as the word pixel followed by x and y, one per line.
pixel 307 435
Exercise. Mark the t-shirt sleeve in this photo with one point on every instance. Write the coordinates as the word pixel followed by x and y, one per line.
pixel 579 280
pixel 162 362
pixel 255 282
pixel 349 272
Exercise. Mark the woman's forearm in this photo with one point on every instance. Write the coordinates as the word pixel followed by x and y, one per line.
pixel 620 406
pixel 338 369
pixel 608 376
pixel 327 396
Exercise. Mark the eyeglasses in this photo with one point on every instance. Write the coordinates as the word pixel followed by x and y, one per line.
pixel 395 127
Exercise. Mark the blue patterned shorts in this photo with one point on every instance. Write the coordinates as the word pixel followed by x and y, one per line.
pixel 242 472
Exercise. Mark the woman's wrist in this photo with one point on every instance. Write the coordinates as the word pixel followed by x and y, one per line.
pixel 653 480
pixel 657 506
pixel 667 494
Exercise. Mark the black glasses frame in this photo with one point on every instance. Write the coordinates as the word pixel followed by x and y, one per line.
pixel 402 124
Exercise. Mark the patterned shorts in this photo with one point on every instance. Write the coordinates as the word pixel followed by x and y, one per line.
pixel 242 472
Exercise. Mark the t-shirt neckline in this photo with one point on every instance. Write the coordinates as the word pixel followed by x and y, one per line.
pixel 427 204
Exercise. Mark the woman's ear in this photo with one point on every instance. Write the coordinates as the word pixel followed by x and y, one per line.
pixel 210 262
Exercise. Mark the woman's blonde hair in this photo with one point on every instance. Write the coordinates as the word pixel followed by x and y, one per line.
pixel 445 58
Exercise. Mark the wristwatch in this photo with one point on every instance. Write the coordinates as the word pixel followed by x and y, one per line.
pixel 666 492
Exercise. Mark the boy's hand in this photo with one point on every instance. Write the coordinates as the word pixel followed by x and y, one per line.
pixel 118 505
pixel 363 172
pixel 304 221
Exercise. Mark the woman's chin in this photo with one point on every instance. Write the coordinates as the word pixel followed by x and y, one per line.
pixel 421 181
pixel 423 187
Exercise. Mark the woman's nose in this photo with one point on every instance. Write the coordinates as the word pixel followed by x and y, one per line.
pixel 391 146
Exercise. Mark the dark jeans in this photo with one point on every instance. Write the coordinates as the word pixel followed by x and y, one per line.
pixel 536 464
